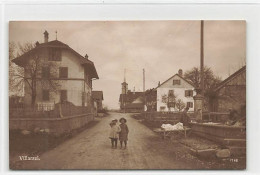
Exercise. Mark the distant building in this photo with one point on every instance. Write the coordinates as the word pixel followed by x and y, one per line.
pixel 131 101
pixel 175 93
pixel 97 96
pixel 74 73
pixel 231 93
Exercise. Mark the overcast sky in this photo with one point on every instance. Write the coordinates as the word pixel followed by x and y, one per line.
pixel 160 47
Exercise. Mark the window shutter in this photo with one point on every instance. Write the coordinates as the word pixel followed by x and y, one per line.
pixel 191 93
pixel 63 72
pixel 54 54
pixel 45 72
pixel 63 95
pixel 186 93
pixel 45 95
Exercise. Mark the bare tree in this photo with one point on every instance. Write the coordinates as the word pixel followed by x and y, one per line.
pixel 15 85
pixel 210 82
pixel 32 72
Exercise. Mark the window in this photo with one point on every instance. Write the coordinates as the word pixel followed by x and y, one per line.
pixel 63 95
pixel 171 105
pixel 170 93
pixel 189 105
pixel 171 97
pixel 54 54
pixel 188 93
pixel 45 95
pixel 176 82
pixel 45 72
pixel 162 108
pixel 63 72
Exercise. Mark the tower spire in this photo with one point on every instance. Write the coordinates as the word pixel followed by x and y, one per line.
pixel 124 76
pixel 56 34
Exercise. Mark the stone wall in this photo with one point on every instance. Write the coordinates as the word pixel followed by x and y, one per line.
pixel 220 133
pixel 53 126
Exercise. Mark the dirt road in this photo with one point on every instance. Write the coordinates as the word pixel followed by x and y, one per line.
pixel 91 149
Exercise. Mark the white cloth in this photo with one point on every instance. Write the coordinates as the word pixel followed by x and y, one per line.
pixel 169 127
pixel 114 131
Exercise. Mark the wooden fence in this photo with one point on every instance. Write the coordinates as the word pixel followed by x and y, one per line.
pixel 58 111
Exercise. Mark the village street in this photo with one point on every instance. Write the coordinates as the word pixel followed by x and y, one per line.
pixel 91 149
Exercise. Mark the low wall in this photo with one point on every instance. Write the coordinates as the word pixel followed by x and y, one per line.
pixel 55 126
pixel 219 133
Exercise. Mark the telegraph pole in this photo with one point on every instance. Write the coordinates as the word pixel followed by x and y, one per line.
pixel 143 80
pixel 144 90
pixel 202 57
pixel 199 97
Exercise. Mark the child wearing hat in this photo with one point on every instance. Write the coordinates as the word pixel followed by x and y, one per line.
pixel 114 131
pixel 123 135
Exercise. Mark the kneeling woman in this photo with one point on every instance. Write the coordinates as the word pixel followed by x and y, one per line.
pixel 123 135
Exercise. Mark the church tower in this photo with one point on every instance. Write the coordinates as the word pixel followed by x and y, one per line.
pixel 124 86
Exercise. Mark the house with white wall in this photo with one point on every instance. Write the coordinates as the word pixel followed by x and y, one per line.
pixel 175 92
pixel 57 64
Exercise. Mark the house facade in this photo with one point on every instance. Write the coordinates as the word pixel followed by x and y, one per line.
pixel 231 93
pixel 62 74
pixel 175 93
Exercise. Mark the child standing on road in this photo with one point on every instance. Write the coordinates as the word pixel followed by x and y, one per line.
pixel 114 131
pixel 123 135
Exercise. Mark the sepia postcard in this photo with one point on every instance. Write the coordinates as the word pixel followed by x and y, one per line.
pixel 127 95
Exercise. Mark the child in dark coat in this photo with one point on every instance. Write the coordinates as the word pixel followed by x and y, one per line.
pixel 123 135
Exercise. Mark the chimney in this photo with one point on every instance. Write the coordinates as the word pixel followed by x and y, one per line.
pixel 86 56
pixel 159 83
pixel 180 72
pixel 46 36
pixel 37 44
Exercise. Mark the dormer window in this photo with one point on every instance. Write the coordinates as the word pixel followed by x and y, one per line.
pixel 176 82
pixel 54 54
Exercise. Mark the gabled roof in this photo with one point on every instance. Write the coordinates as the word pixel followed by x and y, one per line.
pixel 97 95
pixel 231 77
pixel 138 100
pixel 58 44
pixel 174 76
pixel 130 96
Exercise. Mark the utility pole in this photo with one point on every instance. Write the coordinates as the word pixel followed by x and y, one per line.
pixel 202 57
pixel 144 91
pixel 143 80
pixel 199 97
pixel 125 90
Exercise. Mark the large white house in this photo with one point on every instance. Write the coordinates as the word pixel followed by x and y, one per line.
pixel 175 93
pixel 60 66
